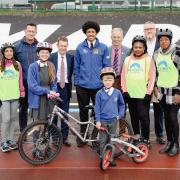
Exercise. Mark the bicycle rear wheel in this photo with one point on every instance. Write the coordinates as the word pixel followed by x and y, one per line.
pixel 124 127
pixel 40 143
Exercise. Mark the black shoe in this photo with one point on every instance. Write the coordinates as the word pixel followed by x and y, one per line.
pixel 66 143
pixel 113 163
pixel 166 148
pixel 149 145
pixel 174 150
pixel 160 140
pixel 81 144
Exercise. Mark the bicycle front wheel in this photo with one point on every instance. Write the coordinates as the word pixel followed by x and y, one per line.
pixel 40 143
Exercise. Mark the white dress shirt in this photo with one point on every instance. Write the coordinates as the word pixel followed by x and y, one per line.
pixel 89 43
pixel 151 47
pixel 59 67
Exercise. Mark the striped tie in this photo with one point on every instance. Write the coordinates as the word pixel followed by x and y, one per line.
pixel 115 62
pixel 62 73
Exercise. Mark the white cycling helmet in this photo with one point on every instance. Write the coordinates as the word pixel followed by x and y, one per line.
pixel 44 46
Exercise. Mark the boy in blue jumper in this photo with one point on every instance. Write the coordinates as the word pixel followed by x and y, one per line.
pixel 109 107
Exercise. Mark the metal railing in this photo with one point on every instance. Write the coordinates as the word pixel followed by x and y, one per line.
pixel 93 5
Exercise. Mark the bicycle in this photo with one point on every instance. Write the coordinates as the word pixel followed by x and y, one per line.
pixel 133 147
pixel 41 141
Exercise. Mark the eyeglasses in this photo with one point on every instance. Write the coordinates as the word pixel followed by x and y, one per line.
pixel 147 29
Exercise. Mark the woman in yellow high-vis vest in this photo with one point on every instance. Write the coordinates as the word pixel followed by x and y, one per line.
pixel 137 81
pixel 167 59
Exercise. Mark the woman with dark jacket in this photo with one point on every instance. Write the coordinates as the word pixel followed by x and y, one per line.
pixel 167 59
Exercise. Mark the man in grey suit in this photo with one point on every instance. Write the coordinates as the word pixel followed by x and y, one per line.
pixel 118 53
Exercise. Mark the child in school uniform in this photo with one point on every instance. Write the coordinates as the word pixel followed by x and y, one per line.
pixel 11 89
pixel 41 83
pixel 109 107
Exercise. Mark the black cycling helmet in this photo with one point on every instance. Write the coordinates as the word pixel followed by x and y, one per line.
pixel 6 45
pixel 165 32
pixel 141 39
pixel 90 24
pixel 107 71
pixel 44 46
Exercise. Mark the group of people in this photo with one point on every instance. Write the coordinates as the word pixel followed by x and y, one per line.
pixel 112 78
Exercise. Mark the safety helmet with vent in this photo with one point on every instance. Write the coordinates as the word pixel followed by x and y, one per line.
pixel 107 71
pixel 164 32
pixel 139 38
pixel 44 46
pixel 6 45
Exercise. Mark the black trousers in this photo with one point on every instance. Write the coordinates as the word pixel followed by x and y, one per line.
pixel 84 96
pixel 23 109
pixel 139 113
pixel 171 121
pixel 158 119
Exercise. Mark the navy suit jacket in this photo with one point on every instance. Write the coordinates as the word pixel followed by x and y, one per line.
pixel 70 65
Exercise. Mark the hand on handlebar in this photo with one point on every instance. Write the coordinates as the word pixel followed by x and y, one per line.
pixel 53 95
pixel 98 125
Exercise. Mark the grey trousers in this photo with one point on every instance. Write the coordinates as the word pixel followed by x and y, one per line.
pixel 103 136
pixel 9 115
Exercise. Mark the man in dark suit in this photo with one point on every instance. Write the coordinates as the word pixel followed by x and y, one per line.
pixel 118 52
pixel 63 63
pixel 153 45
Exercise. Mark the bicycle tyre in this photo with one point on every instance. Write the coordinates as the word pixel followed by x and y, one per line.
pixel 124 128
pixel 40 143
pixel 105 159
pixel 144 148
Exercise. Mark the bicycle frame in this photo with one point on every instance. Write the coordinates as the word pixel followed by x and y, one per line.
pixel 119 141
pixel 61 113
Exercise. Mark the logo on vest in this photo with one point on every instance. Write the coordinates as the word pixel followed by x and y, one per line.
pixel 135 68
pixel 162 65
pixel 8 74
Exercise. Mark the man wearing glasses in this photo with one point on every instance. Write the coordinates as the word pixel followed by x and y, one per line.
pixel 152 46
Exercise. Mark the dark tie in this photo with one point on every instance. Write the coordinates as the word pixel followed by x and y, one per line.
pixel 91 45
pixel 115 62
pixel 62 73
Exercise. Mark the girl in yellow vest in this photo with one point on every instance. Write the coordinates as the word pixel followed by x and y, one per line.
pixel 167 59
pixel 137 81
pixel 11 90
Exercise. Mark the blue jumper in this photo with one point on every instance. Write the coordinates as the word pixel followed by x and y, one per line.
pixel 34 88
pixel 109 107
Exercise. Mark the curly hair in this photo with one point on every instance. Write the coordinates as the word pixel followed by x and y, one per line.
pixel 90 24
